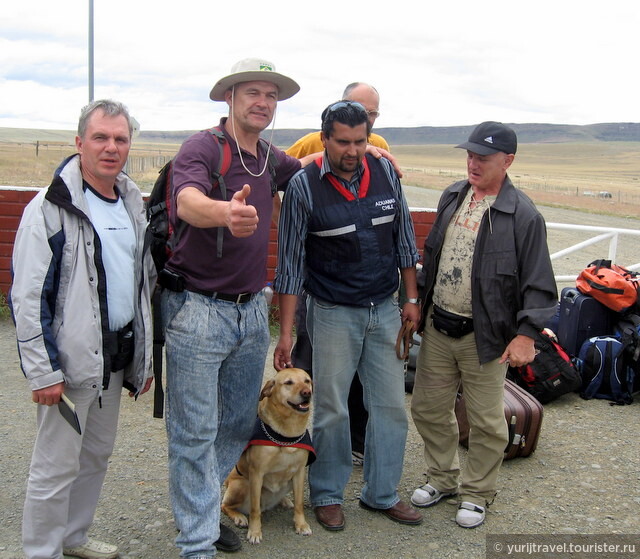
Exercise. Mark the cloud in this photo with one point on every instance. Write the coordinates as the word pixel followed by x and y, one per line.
pixel 446 64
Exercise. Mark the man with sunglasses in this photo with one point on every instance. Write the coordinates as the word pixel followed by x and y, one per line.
pixel 368 97
pixel 345 232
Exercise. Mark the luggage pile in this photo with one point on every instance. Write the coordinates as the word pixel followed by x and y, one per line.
pixel 598 334
pixel 596 353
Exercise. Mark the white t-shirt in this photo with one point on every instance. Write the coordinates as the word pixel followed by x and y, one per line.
pixel 118 239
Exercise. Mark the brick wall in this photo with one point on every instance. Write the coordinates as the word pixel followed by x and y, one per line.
pixel 12 203
pixel 14 199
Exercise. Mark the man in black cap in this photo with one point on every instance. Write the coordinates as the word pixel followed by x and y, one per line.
pixel 489 287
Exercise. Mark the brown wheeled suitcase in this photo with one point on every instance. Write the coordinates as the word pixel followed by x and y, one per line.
pixel 524 418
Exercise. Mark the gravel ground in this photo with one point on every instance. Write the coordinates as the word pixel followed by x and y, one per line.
pixel 583 479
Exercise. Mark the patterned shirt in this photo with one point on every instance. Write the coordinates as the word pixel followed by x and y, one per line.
pixel 452 288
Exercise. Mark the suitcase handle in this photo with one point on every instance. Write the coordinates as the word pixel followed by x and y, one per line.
pixel 512 434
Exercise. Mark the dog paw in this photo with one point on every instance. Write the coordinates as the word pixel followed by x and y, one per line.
pixel 254 536
pixel 286 503
pixel 303 529
pixel 240 520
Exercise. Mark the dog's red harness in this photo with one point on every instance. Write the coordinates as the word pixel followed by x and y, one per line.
pixel 264 435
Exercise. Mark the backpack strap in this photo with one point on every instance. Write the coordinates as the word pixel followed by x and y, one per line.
pixel 158 344
pixel 272 163
pixel 224 162
pixel 217 176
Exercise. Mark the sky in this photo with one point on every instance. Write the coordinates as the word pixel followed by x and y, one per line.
pixel 444 63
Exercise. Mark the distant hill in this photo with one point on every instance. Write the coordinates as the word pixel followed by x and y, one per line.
pixel 527 133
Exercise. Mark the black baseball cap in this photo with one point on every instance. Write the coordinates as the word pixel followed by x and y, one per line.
pixel 491 137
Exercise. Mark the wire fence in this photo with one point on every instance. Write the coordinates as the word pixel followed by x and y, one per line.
pixel 628 195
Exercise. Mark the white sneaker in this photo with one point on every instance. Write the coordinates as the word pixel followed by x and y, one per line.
pixel 427 495
pixel 93 549
pixel 469 515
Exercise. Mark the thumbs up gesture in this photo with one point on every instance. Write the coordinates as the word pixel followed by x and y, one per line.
pixel 242 218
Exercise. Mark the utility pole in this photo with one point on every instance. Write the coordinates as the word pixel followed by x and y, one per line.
pixel 90 51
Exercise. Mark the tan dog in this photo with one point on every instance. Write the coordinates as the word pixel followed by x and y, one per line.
pixel 271 465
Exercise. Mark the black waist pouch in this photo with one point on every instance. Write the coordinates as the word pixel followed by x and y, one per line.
pixel 120 346
pixel 451 324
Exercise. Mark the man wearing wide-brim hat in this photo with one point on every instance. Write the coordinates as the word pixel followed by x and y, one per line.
pixel 214 310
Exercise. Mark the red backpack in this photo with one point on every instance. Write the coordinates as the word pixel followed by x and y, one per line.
pixel 612 285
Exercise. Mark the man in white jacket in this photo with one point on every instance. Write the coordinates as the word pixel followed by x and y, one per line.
pixel 80 299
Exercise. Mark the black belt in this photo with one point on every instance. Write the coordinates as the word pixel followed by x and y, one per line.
pixel 175 282
pixel 238 298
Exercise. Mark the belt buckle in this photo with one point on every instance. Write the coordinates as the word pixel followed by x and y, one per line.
pixel 242 298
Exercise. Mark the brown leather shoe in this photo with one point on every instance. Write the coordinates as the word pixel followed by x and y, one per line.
pixel 400 512
pixel 330 517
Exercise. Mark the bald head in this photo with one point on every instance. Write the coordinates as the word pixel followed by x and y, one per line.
pixel 366 95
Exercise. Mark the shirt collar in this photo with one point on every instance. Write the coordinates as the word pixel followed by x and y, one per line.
pixel 326 168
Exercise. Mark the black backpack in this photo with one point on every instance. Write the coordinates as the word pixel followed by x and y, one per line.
pixel 162 238
pixel 604 371
pixel 551 374
pixel 627 330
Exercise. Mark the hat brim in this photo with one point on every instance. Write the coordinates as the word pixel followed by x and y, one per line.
pixel 478 148
pixel 286 86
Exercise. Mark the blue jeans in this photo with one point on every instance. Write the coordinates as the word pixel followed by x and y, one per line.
pixel 216 353
pixel 346 339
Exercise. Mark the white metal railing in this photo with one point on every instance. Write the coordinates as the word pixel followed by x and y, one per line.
pixel 601 234
pixel 565 234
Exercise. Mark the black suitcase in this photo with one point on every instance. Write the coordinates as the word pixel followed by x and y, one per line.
pixel 581 318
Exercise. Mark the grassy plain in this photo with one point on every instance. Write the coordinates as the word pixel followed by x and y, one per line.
pixel 563 174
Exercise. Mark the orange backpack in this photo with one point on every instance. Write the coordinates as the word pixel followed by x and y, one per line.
pixel 612 285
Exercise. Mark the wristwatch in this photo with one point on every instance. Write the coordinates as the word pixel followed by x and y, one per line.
pixel 413 300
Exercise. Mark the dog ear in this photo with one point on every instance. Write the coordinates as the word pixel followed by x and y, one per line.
pixel 267 388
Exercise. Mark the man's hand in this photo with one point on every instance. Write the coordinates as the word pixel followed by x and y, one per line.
pixel 145 388
pixel 411 311
pixel 381 152
pixel 520 351
pixel 48 396
pixel 241 218
pixel 282 353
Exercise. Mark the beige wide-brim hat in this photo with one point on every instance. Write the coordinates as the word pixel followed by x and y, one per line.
pixel 251 70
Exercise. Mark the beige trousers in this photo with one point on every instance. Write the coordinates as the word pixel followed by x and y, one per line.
pixel 443 364
pixel 67 471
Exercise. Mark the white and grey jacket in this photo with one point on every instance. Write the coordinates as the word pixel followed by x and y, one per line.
pixel 58 296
